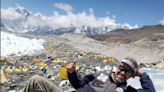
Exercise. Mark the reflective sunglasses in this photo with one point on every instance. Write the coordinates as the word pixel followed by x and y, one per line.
pixel 128 70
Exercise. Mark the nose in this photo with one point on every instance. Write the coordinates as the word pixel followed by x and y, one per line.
pixel 122 72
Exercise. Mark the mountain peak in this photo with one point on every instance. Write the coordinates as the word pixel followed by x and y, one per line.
pixel 22 11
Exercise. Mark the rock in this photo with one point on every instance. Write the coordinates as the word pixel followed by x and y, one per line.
pixel 98 68
pixel 49 76
pixel 108 68
pixel 70 90
pixel 66 86
pixel 142 65
pixel 12 86
pixel 160 65
pixel 64 83
pixel 12 91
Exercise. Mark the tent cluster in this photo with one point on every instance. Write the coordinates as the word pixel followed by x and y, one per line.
pixel 42 65
pixel 52 64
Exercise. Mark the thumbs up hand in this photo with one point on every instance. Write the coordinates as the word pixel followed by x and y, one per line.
pixel 71 67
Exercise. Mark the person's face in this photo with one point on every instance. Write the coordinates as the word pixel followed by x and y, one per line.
pixel 123 72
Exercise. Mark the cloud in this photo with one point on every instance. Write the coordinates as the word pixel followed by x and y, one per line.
pixel 37 20
pixel 161 21
pixel 9 14
pixel 78 20
pixel 129 26
pixel 65 7
pixel 57 20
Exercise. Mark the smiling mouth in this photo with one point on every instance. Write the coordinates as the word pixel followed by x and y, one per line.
pixel 121 76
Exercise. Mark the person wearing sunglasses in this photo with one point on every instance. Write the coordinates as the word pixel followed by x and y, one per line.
pixel 115 81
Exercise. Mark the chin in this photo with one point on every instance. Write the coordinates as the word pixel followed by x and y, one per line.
pixel 120 78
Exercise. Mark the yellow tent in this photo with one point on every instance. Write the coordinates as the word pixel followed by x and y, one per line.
pixel 104 61
pixel 58 60
pixel 3 77
pixel 53 54
pixel 111 59
pixel 42 65
pixel 8 69
pixel 63 72
pixel 24 70
pixel 2 58
pixel 18 69
pixel 39 60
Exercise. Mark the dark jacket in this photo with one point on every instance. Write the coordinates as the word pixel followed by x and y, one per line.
pixel 85 84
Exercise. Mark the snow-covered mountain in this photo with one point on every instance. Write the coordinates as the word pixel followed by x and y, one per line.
pixel 22 20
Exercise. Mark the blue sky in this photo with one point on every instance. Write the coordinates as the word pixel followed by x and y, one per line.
pixel 140 12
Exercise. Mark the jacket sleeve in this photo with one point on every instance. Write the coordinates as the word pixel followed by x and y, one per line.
pixel 146 83
pixel 78 82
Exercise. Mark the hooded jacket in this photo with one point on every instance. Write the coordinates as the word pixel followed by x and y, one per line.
pixel 102 82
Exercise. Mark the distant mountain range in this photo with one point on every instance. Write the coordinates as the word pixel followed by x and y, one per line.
pixel 127 36
pixel 31 23
pixel 36 24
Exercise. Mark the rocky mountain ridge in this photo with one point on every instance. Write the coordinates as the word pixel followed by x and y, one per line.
pixel 128 36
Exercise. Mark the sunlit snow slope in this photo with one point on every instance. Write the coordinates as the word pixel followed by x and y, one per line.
pixel 12 44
